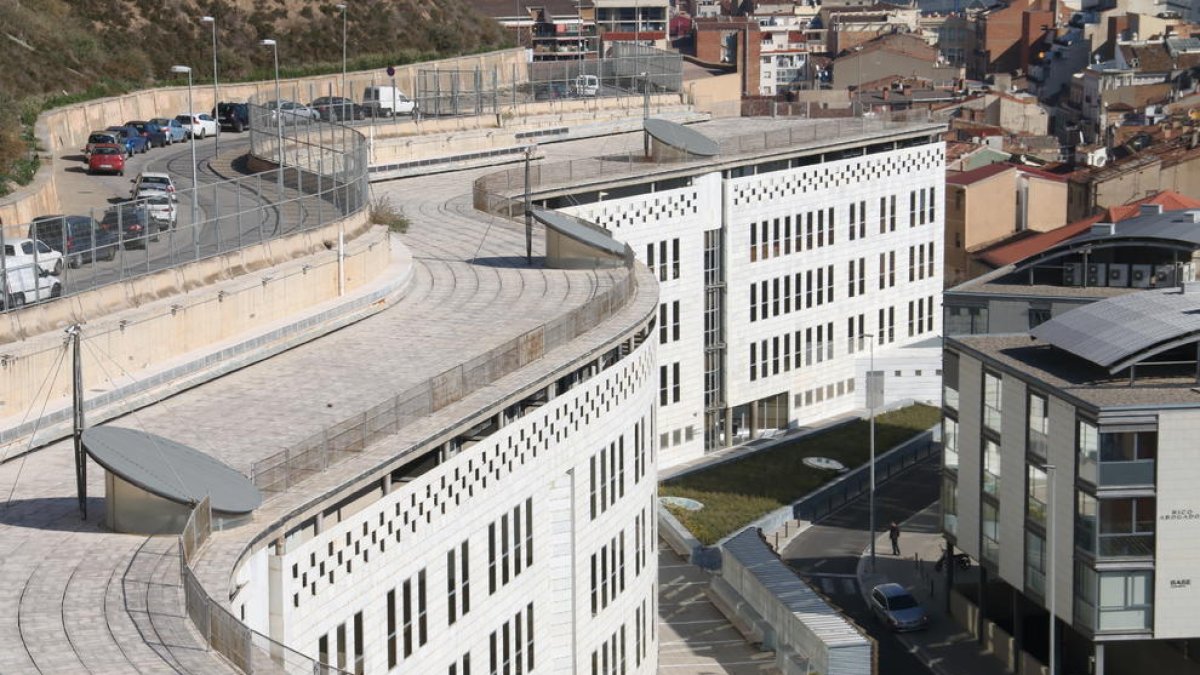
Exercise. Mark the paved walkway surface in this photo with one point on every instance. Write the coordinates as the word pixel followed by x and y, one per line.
pixel 946 647
pixel 694 637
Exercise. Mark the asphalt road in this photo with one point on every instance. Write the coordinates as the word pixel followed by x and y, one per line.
pixel 230 214
pixel 827 554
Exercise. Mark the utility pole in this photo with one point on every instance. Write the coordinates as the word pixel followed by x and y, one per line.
pixel 645 114
pixel 529 150
pixel 74 334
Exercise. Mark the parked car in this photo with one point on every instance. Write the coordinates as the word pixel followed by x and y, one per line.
pixel 154 181
pixel 78 238
pixel 150 131
pixel 336 108
pixel 173 128
pixel 102 138
pixel 132 139
pixel 47 258
pixel 897 608
pixel 23 281
pixel 586 85
pixel 108 157
pixel 160 206
pixel 235 116
pixel 132 223
pixel 198 125
pixel 290 112
pixel 387 101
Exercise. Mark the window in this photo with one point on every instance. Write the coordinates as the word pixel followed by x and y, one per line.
pixel 1037 488
pixel 662 385
pixel 359 658
pixel 1089 451
pixel 675 382
pixel 991 467
pixel 1039 426
pixel 674 258
pixel 950 505
pixel 992 391
pixel 1035 563
pixel 1127 458
pixel 990 532
pixel 1126 600
pixel 950 443
pixel 753 361
pixel 1127 527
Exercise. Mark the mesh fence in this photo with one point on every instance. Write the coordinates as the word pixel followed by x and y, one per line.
pixel 626 70
pixel 171 222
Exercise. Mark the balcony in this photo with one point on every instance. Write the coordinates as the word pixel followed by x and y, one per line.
pixel 1137 472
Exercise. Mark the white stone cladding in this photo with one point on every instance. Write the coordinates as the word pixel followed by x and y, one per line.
pixel 782 200
pixel 542 461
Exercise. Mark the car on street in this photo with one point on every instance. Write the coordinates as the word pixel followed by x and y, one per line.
pixel 102 138
pixel 387 102
pixel 586 85
pixel 107 157
pixel 290 112
pixel 896 608
pixel 50 260
pixel 198 125
pixel 338 109
pixel 150 131
pixel 132 222
pixel 160 206
pixel 233 116
pixel 79 238
pixel 173 128
pixel 155 181
pixel 24 282
pixel 132 139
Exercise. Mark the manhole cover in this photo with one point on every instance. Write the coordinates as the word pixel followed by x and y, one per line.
pixel 824 463
pixel 682 502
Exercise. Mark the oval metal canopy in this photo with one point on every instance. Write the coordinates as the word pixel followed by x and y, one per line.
pixel 681 138
pixel 170 469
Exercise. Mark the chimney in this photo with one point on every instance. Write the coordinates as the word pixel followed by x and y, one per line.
pixel 1150 210
pixel 1104 229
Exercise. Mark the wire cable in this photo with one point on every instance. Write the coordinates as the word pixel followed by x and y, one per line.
pixel 41 415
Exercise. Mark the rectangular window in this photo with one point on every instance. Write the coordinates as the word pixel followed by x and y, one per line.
pixel 991 467
pixel 451 588
pixel 882 270
pixel 359 657
pixel 775 356
pixel 675 321
pixel 787 294
pixel 1088 451
pixel 829 283
pixel 763 299
pixel 1126 600
pixel 674 258
pixel 662 385
pixel 675 382
pixel 1038 490
pixel 1039 426
pixel 529 521
pixel 753 361
pixel 1127 458
pixel 504 549
pixel 853 219
pixel 1035 563
pixel 932 209
pixel 929 262
pixel 422 628
pixel 517 541
pixel 796 286
pixel 391 631
pixel 992 393
pixel 912 263
pixel 808 231
pixel 892 213
pixel 787 235
pixel 662 261
pixel 808 289
pixel 407 614
pixel 862 276
pixel 491 558
pixel 832 225
pixel 950 443
pixel 465 577
pixel 662 323
pixel 753 247
pixel 882 215
pixel 850 276
pixel 891 269
pixel 990 532
pixel 820 285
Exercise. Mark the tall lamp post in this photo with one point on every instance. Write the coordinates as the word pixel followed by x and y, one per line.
pixel 195 185
pixel 871 404
pixel 342 6
pixel 216 99
pixel 1050 471
pixel 278 113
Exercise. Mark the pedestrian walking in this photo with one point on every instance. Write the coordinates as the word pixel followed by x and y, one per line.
pixel 894 535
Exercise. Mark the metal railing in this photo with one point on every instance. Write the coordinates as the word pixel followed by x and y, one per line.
pixel 245 648
pixel 493 191
pixel 323 179
pixel 323 449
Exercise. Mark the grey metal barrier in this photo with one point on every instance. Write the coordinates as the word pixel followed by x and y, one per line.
pixel 246 649
pixel 288 467
pixel 322 178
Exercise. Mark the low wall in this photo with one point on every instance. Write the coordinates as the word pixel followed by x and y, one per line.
pixel 720 96
pixel 135 329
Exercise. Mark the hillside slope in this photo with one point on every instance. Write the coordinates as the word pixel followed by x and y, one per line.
pixel 59 50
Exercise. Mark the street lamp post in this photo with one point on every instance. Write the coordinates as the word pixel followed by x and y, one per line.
pixel 342 6
pixel 278 113
pixel 1050 471
pixel 216 98
pixel 195 185
pixel 871 403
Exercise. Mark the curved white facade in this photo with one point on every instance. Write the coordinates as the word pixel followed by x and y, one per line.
pixel 535 544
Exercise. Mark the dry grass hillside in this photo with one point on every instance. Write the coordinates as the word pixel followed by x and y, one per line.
pixel 58 51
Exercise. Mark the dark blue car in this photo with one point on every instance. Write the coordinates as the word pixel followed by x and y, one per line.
pixel 154 134
pixel 132 139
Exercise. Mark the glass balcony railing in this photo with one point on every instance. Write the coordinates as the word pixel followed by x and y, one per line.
pixel 1126 545
pixel 1137 472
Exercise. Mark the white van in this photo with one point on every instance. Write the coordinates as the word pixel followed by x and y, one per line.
pixel 387 101
pixel 586 85
pixel 24 281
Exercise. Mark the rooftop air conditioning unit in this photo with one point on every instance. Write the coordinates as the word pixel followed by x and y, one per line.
pixel 1097 274
pixel 1164 276
pixel 1118 275
pixel 1073 274
pixel 1141 275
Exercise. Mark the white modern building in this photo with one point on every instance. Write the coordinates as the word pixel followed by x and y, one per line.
pixel 783 267
pixel 1070 474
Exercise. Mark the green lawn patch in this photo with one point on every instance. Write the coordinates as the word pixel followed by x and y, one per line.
pixel 739 492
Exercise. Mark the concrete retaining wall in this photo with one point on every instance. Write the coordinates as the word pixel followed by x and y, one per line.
pixel 135 328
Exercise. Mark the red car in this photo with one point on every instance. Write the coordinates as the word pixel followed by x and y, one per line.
pixel 107 157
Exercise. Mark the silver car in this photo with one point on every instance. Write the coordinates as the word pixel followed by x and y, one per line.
pixel 897 608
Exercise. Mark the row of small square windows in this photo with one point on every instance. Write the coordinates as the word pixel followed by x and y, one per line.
pixel 341 555
pixel 657 206
pixel 777 186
